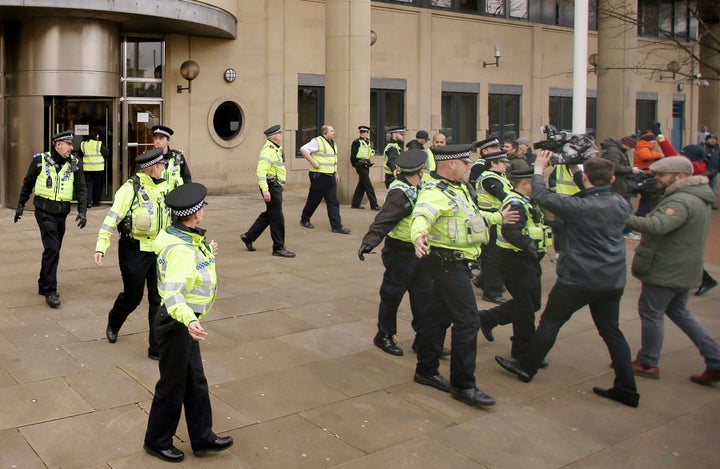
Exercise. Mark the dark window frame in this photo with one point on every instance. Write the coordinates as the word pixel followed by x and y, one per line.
pixel 456 133
pixel 378 115
pixel 319 117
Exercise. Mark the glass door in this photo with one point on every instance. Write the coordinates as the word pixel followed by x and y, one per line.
pixel 138 120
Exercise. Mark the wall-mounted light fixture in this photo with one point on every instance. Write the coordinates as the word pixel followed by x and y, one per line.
pixel 673 67
pixel 230 75
pixel 593 61
pixel 497 58
pixel 373 38
pixel 189 70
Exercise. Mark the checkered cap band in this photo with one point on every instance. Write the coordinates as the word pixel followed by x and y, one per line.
pixel 452 156
pixel 189 211
pixel 152 162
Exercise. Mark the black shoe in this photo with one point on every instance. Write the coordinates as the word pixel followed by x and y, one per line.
pixel 283 253
pixel 498 300
pixel 248 243
pixel 220 443
pixel 111 335
pixel 375 209
pixel 513 368
pixel 705 287
pixel 477 281
pixel 53 299
pixel 171 454
pixel 437 381
pixel 341 230
pixel 472 396
pixel 306 224
pixel 387 344
pixel 153 354
pixel 631 400
pixel 360 207
pixel 543 364
pixel 485 329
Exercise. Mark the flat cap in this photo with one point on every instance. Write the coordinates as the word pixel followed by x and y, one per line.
pixel 66 136
pixel 364 128
pixel 149 158
pixel 275 129
pixel 452 152
pixel 523 140
pixel 411 160
pixel 488 142
pixel 672 164
pixel 162 130
pixel 521 173
pixel 422 134
pixel 496 156
pixel 186 199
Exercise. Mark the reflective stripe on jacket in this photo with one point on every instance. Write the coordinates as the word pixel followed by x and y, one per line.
pixel 55 184
pixel 326 157
pixel 271 165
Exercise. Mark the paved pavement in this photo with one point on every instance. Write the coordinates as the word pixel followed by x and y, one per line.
pixel 294 376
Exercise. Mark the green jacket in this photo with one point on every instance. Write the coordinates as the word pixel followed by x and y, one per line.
pixel 670 253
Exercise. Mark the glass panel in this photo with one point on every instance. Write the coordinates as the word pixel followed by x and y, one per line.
pixel 566 12
pixel 141 118
pixel 566 112
pixel 554 111
pixel 543 11
pixel 468 118
pixel 227 120
pixel 648 14
pixel 308 111
pixel 591 115
pixel 665 17
pixel 511 124
pixel 494 115
pixel 495 7
pixel 144 89
pixel 645 112
pixel 681 20
pixel 519 9
pixel 143 58
pixel 394 109
pixel 441 3
pixel 447 117
pixel 377 138
pixel 469 5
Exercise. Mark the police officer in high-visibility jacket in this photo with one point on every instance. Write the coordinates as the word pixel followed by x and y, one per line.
pixel 187 281
pixel 176 170
pixel 321 153
pixel 392 150
pixel 271 176
pixel 521 247
pixel 449 229
pixel 361 153
pixel 57 178
pixel 139 213
pixel 93 154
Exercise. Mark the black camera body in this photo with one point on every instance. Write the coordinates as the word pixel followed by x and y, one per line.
pixel 567 148
pixel 641 183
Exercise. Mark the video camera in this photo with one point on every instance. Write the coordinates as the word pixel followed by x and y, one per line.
pixel 566 148
pixel 638 183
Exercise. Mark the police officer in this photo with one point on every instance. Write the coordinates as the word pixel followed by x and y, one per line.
pixel 321 153
pixel 492 188
pixel 139 213
pixel 403 270
pixel 449 229
pixel 176 170
pixel 93 154
pixel 271 177
pixel 391 152
pixel 489 145
pixel 521 247
pixel 361 151
pixel 57 178
pixel 418 143
pixel 188 285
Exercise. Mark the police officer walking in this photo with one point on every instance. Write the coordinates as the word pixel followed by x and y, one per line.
pixel 361 151
pixel 139 213
pixel 321 153
pixel 448 228
pixel 93 154
pixel 57 178
pixel 271 176
pixel 521 247
pixel 188 285
pixel 392 150
pixel 176 170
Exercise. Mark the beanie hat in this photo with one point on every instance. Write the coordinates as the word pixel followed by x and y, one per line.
pixel 629 141
pixel 694 152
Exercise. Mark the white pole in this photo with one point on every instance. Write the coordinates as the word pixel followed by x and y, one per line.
pixel 580 41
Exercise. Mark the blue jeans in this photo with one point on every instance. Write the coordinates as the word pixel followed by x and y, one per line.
pixel 654 303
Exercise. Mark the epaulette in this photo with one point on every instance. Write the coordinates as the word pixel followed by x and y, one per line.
pixel 37 155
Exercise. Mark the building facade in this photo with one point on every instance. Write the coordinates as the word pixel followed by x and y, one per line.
pixel 469 68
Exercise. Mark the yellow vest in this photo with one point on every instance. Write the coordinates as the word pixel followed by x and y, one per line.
pixel 365 150
pixel 326 157
pixel 534 227
pixel 401 231
pixel 485 200
pixel 55 184
pixel 171 173
pixel 92 155
pixel 564 183
pixel 388 146
pixel 271 165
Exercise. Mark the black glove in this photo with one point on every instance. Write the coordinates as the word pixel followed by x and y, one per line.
pixel 532 249
pixel 18 213
pixel 81 220
pixel 655 128
pixel 364 249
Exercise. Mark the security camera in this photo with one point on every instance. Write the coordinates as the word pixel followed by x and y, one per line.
pixel 703 83
pixel 697 76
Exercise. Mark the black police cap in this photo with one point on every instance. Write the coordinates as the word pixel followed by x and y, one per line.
pixel 186 199
pixel 364 128
pixel 496 156
pixel 149 158
pixel 270 131
pixel 162 130
pixel 488 142
pixel 66 136
pixel 411 160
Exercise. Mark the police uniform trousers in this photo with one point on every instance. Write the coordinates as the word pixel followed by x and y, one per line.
pixel 364 186
pixel 137 268
pixel 94 181
pixel 182 383
pixel 604 305
pixel 273 217
pixel 521 275
pixel 322 186
pixel 453 304
pixel 490 280
pixel 52 231
pixel 403 272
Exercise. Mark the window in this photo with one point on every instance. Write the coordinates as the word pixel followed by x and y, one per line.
pixel 227 120
pixel 645 112
pixel 143 70
pixel 311 114
pixel 559 12
pixel 561 109
pixel 668 19
pixel 459 117
pixel 504 115
pixel 387 110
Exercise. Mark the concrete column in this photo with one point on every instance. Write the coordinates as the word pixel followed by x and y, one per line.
pixel 347 79
pixel 616 88
pixel 709 112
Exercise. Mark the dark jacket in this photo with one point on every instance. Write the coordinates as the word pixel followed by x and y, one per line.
pixel 614 151
pixel 592 254
pixel 396 207
pixel 713 159
pixel 670 253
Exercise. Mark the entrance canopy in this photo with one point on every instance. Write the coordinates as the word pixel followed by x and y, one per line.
pixel 185 17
